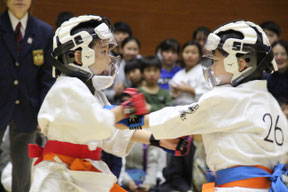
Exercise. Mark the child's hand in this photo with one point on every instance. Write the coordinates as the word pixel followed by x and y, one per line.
pixel 143 188
pixel 132 186
pixel 118 88
pixel 183 87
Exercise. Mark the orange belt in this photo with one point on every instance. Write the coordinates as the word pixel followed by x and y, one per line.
pixel 71 154
pixel 256 183
pixel 77 164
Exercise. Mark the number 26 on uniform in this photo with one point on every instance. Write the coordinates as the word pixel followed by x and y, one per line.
pixel 278 133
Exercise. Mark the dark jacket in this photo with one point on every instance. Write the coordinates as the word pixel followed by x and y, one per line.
pixel 25 78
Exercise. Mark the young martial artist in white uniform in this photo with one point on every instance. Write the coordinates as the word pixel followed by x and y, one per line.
pixel 73 118
pixel 244 131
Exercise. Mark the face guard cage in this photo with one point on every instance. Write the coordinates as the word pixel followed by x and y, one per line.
pixel 246 48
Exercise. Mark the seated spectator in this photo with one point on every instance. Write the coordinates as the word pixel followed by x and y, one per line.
pixel 278 81
pixel 283 102
pixel 169 51
pixel 188 84
pixel 62 17
pixel 272 31
pixel 131 47
pixel 122 31
pixel 156 97
pixel 133 72
pixel 200 36
pixel 139 173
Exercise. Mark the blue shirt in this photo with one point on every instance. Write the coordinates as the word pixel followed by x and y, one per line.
pixel 166 77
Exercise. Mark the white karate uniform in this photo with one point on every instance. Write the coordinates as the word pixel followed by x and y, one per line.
pixel 70 113
pixel 241 125
pixel 195 79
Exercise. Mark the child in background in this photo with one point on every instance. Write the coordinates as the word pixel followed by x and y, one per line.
pixel 200 35
pixel 140 168
pixel 133 75
pixel 278 81
pixel 272 31
pixel 130 50
pixel 169 50
pixel 283 102
pixel 122 31
pixel 189 84
pixel 155 96
pixel 133 72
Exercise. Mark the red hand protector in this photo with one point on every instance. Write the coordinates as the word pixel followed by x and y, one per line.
pixel 136 105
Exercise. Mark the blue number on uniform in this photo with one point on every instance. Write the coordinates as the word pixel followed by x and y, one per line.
pixel 275 130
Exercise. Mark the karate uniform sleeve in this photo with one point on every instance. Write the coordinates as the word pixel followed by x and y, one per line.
pixel 119 143
pixel 71 113
pixel 214 112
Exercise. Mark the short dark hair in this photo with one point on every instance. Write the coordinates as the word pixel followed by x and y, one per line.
pixel 131 65
pixel 122 27
pixel 282 100
pixel 271 26
pixel 283 43
pixel 150 61
pixel 193 43
pixel 202 29
pixel 62 17
pixel 128 39
pixel 170 44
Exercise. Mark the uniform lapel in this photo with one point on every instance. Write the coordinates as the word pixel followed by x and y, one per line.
pixel 29 36
pixel 8 34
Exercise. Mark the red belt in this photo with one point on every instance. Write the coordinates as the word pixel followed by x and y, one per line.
pixel 63 148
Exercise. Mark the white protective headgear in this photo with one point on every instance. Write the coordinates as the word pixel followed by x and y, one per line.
pixel 254 41
pixel 65 44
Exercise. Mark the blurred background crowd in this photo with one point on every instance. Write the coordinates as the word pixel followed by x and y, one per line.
pixel 161 45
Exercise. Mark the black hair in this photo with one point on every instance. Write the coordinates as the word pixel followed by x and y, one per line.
pixel 132 64
pixel 128 39
pixel 282 100
pixel 62 17
pixel 122 27
pixel 283 43
pixel 170 44
pixel 271 26
pixel 202 29
pixel 195 44
pixel 150 61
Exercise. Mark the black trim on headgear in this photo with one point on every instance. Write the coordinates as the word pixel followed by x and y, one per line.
pixel 264 65
pixel 71 70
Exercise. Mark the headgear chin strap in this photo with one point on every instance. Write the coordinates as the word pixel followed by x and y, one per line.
pixel 70 70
